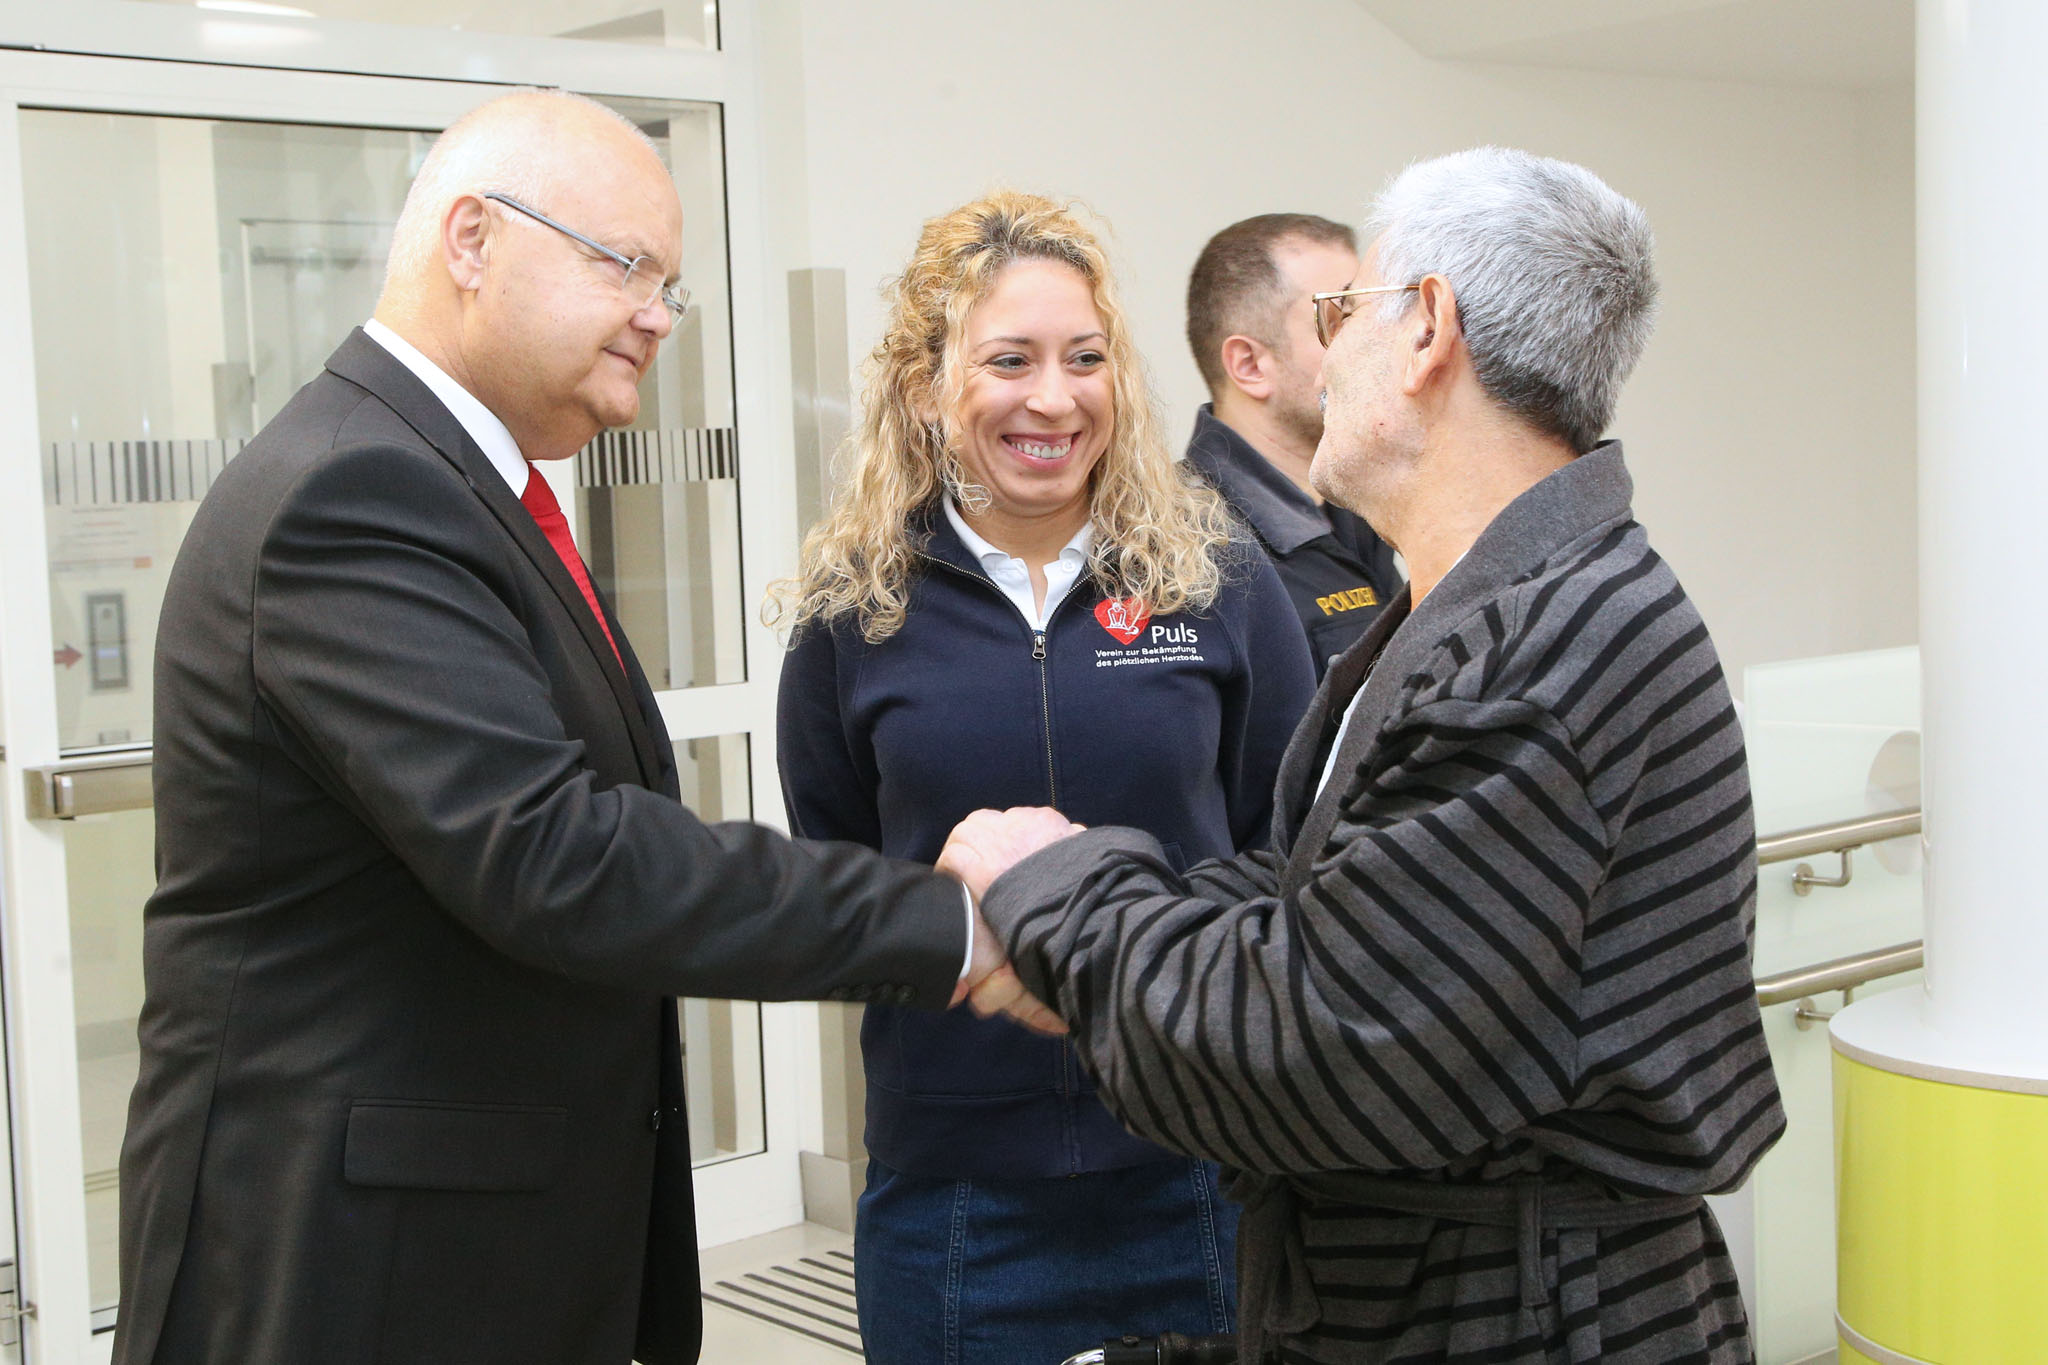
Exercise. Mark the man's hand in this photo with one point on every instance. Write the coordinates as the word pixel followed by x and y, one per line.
pixel 989 843
pixel 983 847
pixel 992 986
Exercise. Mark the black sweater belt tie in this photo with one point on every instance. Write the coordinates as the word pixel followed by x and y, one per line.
pixel 1279 1300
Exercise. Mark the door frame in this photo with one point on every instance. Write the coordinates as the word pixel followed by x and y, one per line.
pixel 124 56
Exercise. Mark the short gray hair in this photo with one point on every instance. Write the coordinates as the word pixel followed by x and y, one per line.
pixel 1552 273
pixel 502 145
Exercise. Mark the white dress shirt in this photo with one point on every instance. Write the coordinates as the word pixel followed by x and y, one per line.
pixel 480 422
pixel 1013 575
pixel 1359 696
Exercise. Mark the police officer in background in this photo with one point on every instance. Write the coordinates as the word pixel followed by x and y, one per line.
pixel 1252 328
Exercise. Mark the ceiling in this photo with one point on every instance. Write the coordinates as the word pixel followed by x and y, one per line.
pixel 1836 44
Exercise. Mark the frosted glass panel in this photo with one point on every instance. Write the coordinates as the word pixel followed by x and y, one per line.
pixel 1830 739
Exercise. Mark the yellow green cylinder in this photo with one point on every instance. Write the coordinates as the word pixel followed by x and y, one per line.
pixel 1941 1198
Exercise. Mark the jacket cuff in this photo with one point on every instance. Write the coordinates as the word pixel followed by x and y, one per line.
pixel 1049 877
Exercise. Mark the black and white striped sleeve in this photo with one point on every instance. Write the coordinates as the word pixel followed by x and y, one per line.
pixel 1415 1001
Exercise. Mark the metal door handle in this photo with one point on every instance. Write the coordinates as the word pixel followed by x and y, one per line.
pixel 90 786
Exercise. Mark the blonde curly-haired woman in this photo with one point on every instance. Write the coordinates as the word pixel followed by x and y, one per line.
pixel 1019 599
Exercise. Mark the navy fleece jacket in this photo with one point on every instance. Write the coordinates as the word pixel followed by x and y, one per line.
pixel 1172 724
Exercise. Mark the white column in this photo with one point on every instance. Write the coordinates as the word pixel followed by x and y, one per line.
pixel 1983 306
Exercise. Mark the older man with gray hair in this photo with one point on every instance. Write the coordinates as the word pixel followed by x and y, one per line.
pixel 1479 1031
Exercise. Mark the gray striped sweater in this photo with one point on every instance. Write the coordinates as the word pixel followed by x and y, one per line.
pixel 1511 937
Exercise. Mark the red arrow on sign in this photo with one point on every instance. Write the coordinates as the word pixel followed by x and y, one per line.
pixel 67 656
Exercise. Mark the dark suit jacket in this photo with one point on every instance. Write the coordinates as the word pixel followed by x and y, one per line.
pixel 410 1086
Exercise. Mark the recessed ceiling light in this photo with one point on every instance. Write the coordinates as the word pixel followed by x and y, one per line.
pixel 255 7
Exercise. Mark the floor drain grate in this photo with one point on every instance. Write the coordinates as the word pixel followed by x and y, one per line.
pixel 813 1296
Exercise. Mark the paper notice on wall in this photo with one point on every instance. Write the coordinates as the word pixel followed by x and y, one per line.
pixel 101 538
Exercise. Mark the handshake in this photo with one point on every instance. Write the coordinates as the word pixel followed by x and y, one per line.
pixel 981 848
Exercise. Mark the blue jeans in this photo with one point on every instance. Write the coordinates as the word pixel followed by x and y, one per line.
pixel 1029 1272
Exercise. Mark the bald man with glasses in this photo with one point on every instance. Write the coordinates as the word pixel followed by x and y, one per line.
pixel 411 1084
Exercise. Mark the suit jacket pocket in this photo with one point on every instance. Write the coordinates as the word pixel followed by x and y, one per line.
pixel 437 1145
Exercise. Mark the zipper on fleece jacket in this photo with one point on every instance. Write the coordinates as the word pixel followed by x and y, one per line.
pixel 1068 1084
pixel 1052 780
pixel 1038 654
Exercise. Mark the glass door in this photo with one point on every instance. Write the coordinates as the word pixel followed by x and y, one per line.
pixel 231 232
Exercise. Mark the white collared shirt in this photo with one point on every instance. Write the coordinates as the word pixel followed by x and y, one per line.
pixel 1359 696
pixel 1343 728
pixel 1013 575
pixel 480 422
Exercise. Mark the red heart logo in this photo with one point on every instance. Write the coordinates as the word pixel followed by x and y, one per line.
pixel 1122 617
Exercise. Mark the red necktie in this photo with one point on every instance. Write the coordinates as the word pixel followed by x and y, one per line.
pixel 539 499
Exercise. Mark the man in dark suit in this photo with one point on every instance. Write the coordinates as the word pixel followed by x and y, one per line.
pixel 410 1085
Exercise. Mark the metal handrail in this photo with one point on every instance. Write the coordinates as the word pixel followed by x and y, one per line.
pixel 1838 837
pixel 1841 974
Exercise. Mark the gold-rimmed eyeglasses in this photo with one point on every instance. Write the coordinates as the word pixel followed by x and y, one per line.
pixel 1331 313
pixel 642 283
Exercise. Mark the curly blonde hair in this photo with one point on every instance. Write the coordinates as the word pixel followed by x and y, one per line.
pixel 1159 529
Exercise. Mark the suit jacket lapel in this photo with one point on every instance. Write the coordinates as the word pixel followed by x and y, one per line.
pixel 519 523
pixel 363 362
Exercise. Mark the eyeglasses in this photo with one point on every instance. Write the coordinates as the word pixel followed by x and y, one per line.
pixel 642 284
pixel 1331 314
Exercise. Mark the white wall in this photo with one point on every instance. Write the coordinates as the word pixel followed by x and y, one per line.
pixel 1771 423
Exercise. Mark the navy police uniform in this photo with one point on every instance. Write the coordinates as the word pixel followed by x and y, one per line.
pixel 1337 572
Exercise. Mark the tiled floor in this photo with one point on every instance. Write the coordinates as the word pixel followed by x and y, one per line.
pixel 735 1338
